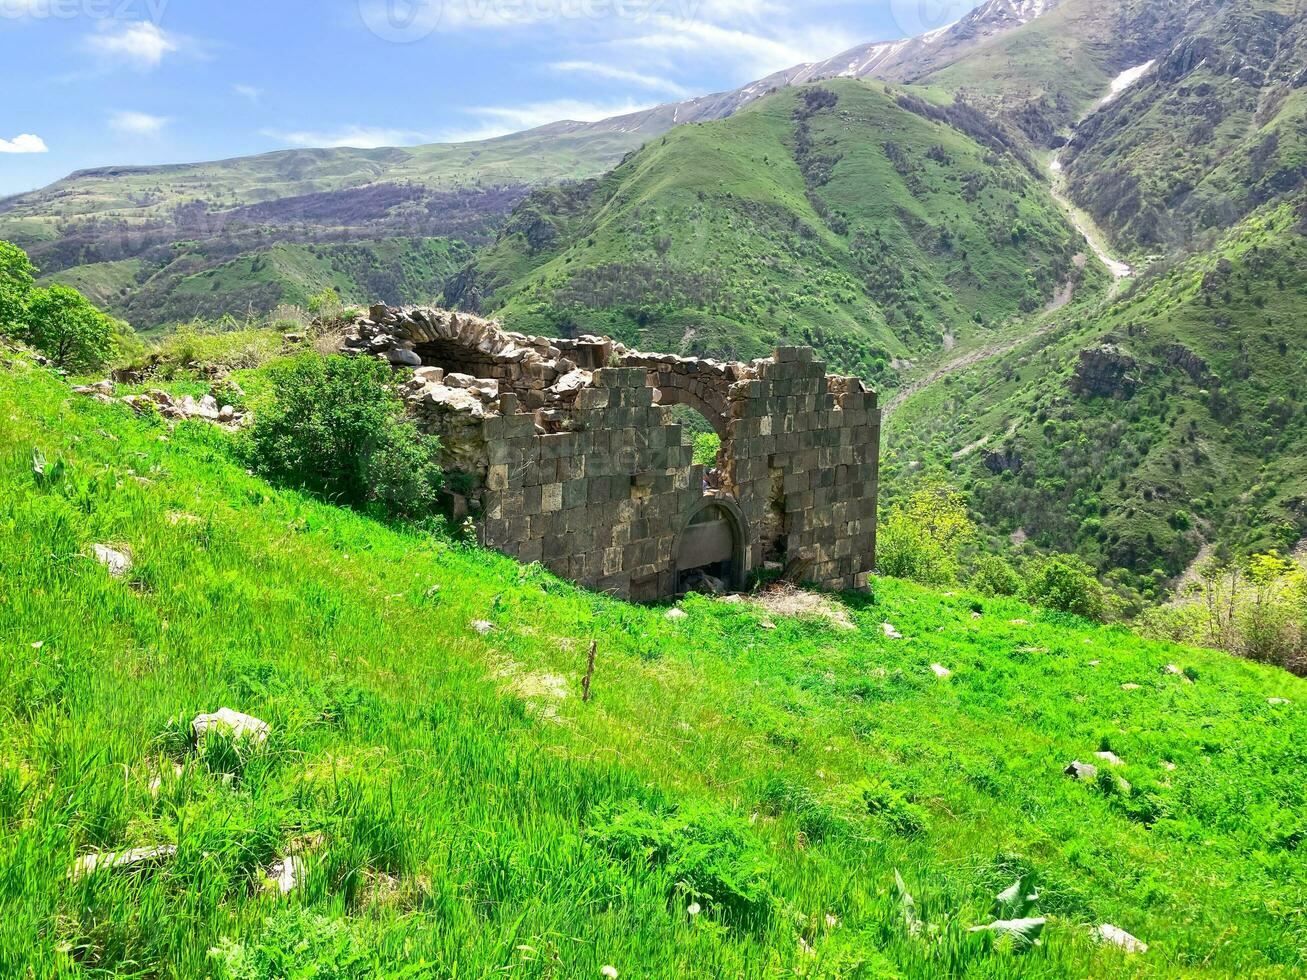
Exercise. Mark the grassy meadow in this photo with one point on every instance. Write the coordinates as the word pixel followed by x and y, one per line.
pixel 734 800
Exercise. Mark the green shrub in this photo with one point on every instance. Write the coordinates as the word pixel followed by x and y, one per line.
pixel 923 539
pixel 995 576
pixel 706 447
pixel 62 324
pixel 336 428
pixel 1065 583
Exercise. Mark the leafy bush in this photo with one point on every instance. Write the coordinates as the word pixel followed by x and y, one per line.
pixel 336 428
pixel 706 447
pixel 995 576
pixel 923 539
pixel 1067 584
pixel 1255 609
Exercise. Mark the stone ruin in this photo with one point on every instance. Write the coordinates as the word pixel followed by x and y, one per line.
pixel 568 452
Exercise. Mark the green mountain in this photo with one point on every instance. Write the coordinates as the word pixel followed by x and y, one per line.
pixel 735 799
pixel 843 214
pixel 1216 128
pixel 1170 418
pixel 152 242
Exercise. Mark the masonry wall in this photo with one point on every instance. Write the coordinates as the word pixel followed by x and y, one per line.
pixel 565 453
pixel 600 504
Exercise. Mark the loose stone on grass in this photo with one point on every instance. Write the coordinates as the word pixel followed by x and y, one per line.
pixel 1114 936
pixel 942 672
pixel 117 562
pixel 233 724
pixel 139 857
pixel 1081 770
pixel 482 627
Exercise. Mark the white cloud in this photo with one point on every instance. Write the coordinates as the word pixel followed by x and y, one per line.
pixel 24 143
pixel 138 123
pixel 141 44
pixel 495 121
pixel 751 50
pixel 248 92
pixel 653 82
pixel 356 137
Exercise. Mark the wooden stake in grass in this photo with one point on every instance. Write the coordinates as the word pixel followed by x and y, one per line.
pixel 589 671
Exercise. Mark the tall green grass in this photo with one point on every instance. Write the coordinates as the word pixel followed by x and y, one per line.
pixel 461 812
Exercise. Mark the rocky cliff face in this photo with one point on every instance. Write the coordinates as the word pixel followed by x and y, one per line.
pixel 1106 371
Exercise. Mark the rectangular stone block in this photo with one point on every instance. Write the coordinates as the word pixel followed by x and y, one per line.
pixel 551 498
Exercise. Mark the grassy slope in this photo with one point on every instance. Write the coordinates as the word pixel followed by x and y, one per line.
pixel 141 194
pixel 713 240
pixel 1108 477
pixel 458 798
pixel 390 270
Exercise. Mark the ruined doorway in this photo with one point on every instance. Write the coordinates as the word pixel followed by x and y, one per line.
pixel 712 549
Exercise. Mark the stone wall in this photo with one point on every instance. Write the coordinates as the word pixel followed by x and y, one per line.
pixel 566 452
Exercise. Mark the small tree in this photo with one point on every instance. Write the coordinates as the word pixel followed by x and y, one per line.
pixel 17 275
pixel 1067 584
pixel 62 324
pixel 995 576
pixel 338 430
pixel 923 539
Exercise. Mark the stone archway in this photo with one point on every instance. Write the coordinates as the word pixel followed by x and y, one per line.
pixel 714 540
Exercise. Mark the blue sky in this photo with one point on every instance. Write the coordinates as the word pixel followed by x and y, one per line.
pixel 99 82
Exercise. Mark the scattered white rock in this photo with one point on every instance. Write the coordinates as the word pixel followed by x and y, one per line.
pixel 119 563
pixel 1115 936
pixel 976 615
pixel 1094 663
pixel 676 614
pixel 1081 770
pixel 286 875
pixel 482 627
pixel 941 671
pixel 233 724
pixel 891 632
pixel 1168 765
pixel 1111 758
pixel 608 971
pixel 767 624
pixel 1129 687
pixel 1018 622
pixel 1277 701
pixel 122 860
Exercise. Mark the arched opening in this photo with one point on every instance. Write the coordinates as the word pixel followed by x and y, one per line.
pixel 711 552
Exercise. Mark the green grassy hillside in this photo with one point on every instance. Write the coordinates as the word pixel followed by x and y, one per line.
pixel 257 282
pixel 1201 438
pixel 833 214
pixel 460 811
pixel 134 236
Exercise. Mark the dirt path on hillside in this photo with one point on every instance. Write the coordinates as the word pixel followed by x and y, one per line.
pixel 969 359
